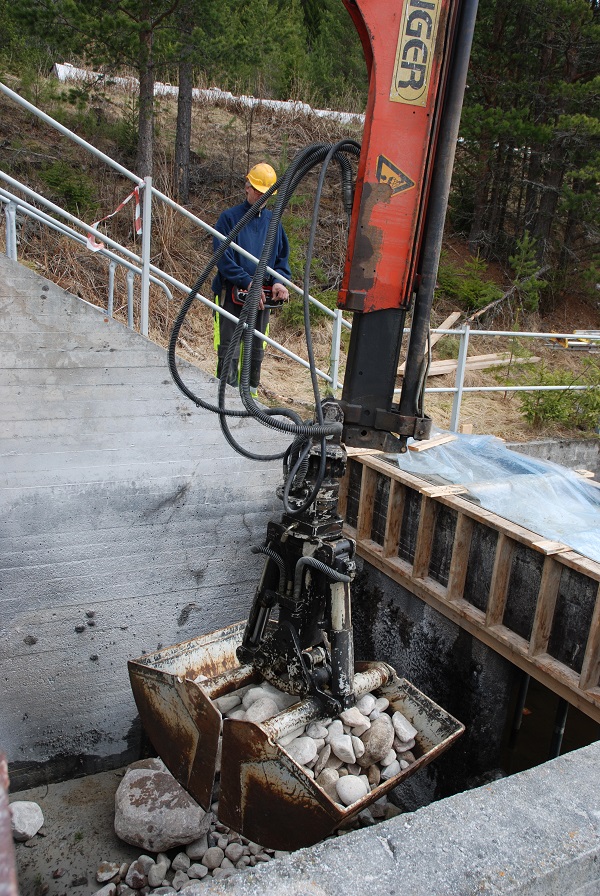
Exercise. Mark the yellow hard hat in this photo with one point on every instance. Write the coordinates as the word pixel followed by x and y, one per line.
pixel 261 177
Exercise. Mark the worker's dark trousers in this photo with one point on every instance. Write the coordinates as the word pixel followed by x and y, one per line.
pixel 224 329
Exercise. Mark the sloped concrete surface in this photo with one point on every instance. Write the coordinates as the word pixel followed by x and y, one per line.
pixel 126 523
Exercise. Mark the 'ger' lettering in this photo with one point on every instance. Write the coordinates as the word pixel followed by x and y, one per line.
pixel 416 43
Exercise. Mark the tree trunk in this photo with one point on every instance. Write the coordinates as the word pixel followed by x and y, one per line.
pixel 184 107
pixel 146 110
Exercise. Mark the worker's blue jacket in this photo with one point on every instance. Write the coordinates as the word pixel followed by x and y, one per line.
pixel 238 270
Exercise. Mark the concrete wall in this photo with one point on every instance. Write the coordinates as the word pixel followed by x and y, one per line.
pixel 573 453
pixel 466 678
pixel 125 523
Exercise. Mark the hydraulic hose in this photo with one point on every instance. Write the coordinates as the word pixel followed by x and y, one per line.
pixel 273 418
pixel 331 573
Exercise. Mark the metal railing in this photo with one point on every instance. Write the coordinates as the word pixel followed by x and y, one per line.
pixel 141 266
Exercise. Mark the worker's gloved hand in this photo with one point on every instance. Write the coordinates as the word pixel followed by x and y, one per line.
pixel 280 292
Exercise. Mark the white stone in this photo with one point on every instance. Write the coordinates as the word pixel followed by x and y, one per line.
pixel 358 746
pixel 302 750
pixel 157 874
pixel 282 699
pixel 213 857
pixel 237 714
pixel 403 746
pixel 26 819
pixel 375 714
pixel 360 729
pixel 403 728
pixel 390 770
pixel 106 871
pixel 382 704
pixel 321 762
pixel 227 702
pixel 316 730
pixel 334 730
pixel 181 862
pixel 350 789
pixel 252 695
pixel 342 747
pixel 404 764
pixel 108 890
pixel 154 812
pixel 261 710
pixel 366 704
pixel 388 758
pixel 352 717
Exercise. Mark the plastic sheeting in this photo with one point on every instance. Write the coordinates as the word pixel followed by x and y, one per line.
pixel 546 498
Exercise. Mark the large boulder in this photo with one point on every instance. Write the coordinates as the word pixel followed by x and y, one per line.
pixel 154 812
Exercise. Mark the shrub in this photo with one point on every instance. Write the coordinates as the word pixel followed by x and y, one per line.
pixel 73 189
pixel 570 408
pixel 467 285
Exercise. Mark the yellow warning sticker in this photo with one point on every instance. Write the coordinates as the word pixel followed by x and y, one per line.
pixel 414 53
pixel 388 173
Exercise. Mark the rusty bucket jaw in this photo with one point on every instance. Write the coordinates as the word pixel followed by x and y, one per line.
pixel 266 796
pixel 174 691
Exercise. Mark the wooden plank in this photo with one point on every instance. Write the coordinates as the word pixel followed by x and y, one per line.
pixel 546 546
pixel 546 604
pixel 570 558
pixel 590 670
pixel 548 671
pixel 438 491
pixel 448 324
pixel 393 523
pixel 366 503
pixel 500 577
pixel 426 444
pixel 343 492
pixel 460 557
pixel 424 537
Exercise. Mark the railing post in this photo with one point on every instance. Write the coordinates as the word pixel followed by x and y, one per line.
pixel 463 351
pixel 11 230
pixel 130 276
pixel 336 337
pixel 146 234
pixel 111 288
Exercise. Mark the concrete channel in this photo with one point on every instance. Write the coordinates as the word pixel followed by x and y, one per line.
pixel 120 536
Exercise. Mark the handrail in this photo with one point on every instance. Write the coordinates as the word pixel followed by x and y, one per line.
pixel 141 182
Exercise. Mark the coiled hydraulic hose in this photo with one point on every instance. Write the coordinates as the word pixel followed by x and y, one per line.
pixel 274 418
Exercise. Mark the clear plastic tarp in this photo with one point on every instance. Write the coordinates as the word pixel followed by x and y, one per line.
pixel 546 498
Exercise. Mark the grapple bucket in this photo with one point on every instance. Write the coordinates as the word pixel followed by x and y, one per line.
pixel 264 794
pixel 174 690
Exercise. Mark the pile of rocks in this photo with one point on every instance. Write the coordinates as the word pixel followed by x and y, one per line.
pixel 348 756
pixel 216 855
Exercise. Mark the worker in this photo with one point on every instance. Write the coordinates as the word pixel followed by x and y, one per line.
pixel 235 272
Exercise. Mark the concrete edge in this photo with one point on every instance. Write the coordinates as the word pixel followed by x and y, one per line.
pixel 536 833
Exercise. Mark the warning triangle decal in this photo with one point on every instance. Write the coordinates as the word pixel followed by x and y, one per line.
pixel 388 173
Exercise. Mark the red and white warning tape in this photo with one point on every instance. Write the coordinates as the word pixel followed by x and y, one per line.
pixel 94 244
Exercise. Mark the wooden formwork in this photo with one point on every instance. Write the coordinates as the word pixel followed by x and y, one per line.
pixel 534 601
